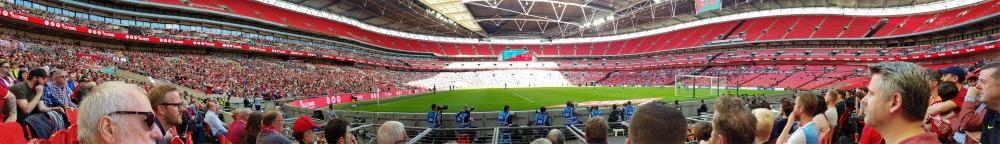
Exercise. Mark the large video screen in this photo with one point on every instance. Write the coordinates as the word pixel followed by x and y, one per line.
pixel 516 55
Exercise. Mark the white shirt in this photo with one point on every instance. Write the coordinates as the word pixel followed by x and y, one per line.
pixel 797 137
pixel 213 120
pixel 831 116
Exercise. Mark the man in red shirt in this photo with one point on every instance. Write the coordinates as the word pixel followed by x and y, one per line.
pixel 953 74
pixel 897 101
pixel 9 109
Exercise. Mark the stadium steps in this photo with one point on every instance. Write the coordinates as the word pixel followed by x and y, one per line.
pixel 786 78
pixel 731 31
pixel 847 26
pixel 878 26
pixel 713 58
pixel 810 81
pixel 405 63
pixel 748 80
pixel 791 28
pixel 606 76
pixel 820 24
pixel 133 30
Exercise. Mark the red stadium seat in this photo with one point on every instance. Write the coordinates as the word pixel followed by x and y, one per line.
pixel 177 140
pixel 59 137
pixel 72 133
pixel 38 141
pixel 11 133
pixel 72 114
pixel 223 139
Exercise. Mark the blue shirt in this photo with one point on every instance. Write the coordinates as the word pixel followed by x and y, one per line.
pixel 812 133
pixel 462 119
pixel 502 118
pixel 628 112
pixel 541 119
pixel 570 116
pixel 432 118
pixel 595 113
pixel 257 100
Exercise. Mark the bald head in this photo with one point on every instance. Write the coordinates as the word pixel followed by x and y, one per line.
pixel 391 132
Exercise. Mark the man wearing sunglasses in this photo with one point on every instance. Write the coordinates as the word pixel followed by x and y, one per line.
pixel 167 105
pixel 58 89
pixel 117 112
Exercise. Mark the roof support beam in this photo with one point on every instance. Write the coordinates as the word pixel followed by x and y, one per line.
pixel 555 2
pixel 524 19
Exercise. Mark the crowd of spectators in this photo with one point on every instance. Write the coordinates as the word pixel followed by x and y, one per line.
pixel 175 33
pixel 218 73
pixel 904 102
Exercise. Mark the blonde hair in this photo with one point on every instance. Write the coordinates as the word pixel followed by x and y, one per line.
pixel 765 121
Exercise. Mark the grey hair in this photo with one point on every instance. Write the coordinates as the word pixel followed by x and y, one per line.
pixel 541 141
pixel 390 132
pixel 242 112
pixel 556 136
pixel 105 99
pixel 57 71
pixel 909 81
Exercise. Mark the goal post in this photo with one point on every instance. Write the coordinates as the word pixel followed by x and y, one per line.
pixel 698 86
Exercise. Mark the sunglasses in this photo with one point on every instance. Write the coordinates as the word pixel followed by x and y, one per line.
pixel 178 105
pixel 150 118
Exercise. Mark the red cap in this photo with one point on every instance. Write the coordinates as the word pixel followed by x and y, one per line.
pixel 304 123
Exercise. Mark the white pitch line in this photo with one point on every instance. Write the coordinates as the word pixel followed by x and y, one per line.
pixel 523 97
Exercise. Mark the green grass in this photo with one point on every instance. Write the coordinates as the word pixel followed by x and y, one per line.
pixel 493 99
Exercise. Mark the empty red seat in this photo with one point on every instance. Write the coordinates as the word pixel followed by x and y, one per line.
pixel 59 137
pixel 11 133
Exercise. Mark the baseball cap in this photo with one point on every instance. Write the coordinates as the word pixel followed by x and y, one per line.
pixel 974 74
pixel 955 70
pixel 304 123
pixel 38 72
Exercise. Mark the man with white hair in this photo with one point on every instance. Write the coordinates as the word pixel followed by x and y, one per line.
pixel 116 112
pixel 391 132
pixel 556 137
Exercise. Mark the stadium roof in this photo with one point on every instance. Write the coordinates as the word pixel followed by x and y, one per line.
pixel 623 19
pixel 548 19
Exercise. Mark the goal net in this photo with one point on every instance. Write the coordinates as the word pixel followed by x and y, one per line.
pixel 698 86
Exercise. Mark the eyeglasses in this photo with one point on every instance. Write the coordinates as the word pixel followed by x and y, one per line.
pixel 178 105
pixel 150 118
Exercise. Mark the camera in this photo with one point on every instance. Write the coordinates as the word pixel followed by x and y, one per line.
pixel 358 119
pixel 443 107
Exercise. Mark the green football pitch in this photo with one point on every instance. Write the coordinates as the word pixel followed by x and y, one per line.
pixel 493 99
